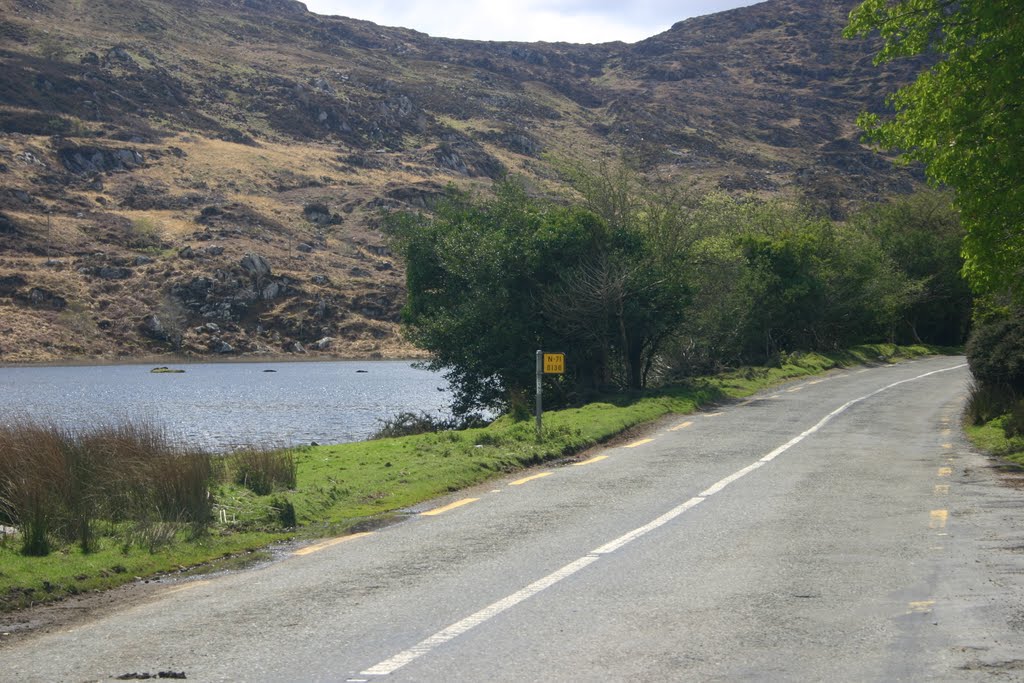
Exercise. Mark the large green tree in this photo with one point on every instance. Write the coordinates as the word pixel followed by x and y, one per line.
pixel 963 117
pixel 489 281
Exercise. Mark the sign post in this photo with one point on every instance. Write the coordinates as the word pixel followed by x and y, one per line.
pixel 547 364
pixel 540 385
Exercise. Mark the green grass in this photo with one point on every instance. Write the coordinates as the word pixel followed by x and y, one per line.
pixel 26 581
pixel 990 437
pixel 341 486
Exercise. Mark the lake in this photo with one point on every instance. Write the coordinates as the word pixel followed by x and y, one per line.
pixel 224 405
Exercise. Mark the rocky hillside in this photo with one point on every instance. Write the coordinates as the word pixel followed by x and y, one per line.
pixel 206 176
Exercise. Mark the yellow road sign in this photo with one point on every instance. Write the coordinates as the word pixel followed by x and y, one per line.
pixel 554 363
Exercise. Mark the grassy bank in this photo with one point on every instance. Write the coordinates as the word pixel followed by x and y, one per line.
pixel 991 438
pixel 331 489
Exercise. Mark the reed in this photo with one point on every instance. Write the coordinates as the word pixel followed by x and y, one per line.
pixel 56 485
pixel 263 470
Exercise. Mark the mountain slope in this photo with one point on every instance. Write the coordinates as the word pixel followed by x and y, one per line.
pixel 148 147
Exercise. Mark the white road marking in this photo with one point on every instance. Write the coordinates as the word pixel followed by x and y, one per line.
pixel 443 636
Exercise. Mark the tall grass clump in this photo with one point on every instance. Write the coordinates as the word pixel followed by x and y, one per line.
pixel 56 486
pixel 264 470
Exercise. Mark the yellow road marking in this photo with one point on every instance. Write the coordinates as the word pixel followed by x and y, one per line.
pixel 641 442
pixel 817 381
pixel 938 519
pixel 681 425
pixel 187 586
pixel 947 445
pixel 945 471
pixel 520 482
pixel 316 547
pixel 946 432
pixel 941 489
pixel 713 414
pixel 920 606
pixel 597 458
pixel 450 506
pixel 790 391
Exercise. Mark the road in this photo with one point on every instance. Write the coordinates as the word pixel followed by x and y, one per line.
pixel 837 528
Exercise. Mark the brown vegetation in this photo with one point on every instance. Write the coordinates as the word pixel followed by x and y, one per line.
pixel 147 148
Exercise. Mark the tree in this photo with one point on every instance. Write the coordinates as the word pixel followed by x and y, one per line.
pixel 490 281
pixel 922 235
pixel 963 118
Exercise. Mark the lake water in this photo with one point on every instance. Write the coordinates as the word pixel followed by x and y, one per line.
pixel 224 405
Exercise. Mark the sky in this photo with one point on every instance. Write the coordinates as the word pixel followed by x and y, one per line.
pixel 572 21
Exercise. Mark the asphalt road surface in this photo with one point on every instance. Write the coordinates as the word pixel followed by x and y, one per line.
pixel 837 528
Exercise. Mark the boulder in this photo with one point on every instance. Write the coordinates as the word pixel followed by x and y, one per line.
pixel 113 272
pixel 256 266
pixel 323 344
pixel 271 291
pixel 37 297
pixel 9 284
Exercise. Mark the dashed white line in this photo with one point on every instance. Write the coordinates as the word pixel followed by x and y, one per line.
pixel 445 635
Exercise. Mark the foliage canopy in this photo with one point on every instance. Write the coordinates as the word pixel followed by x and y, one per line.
pixel 963 118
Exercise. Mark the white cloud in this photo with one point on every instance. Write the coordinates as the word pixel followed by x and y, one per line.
pixel 574 21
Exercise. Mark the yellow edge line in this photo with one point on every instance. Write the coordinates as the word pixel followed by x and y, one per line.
pixel 938 519
pixel 641 442
pixel 920 606
pixel 945 471
pixel 450 506
pixel 713 414
pixel 597 458
pixel 520 482
pixel 682 425
pixel 309 549
pixel 187 586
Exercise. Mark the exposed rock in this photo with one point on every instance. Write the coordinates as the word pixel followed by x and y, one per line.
pixel 153 327
pixel 256 266
pixel 142 260
pixel 87 159
pixel 322 344
pixel 320 214
pixel 9 284
pixel 186 252
pixel 295 347
pixel 221 346
pixel 320 280
pixel 39 297
pixel 7 225
pixel 271 291
pixel 113 273
pixel 304 248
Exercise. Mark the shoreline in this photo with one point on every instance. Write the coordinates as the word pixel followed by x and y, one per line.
pixel 170 359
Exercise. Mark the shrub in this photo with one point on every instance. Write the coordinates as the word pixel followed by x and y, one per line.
pixel 986 402
pixel 1014 423
pixel 409 424
pixel 995 352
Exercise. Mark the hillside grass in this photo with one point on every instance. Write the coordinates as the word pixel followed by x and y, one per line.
pixel 342 487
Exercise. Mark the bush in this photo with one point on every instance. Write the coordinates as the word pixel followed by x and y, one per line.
pixel 995 352
pixel 1014 423
pixel 986 402
pixel 409 424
